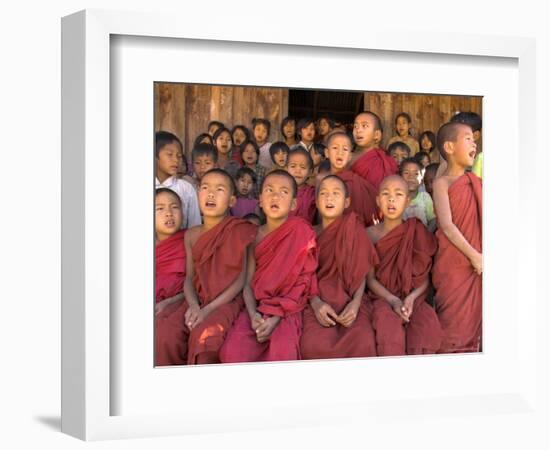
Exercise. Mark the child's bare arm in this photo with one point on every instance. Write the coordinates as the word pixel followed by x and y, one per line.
pixel 446 225
pixel 188 288
pixel 168 301
pixel 248 293
pixel 413 295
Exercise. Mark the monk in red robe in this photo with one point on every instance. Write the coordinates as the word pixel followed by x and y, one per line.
pixel 170 337
pixel 281 279
pixel 300 166
pixel 337 322
pixel 458 263
pixel 362 193
pixel 370 160
pixel 403 321
pixel 216 268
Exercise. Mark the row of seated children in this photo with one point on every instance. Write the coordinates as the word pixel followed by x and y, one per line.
pixel 230 291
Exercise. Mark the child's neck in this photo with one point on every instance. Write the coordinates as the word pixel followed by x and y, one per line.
pixel 273 224
pixel 413 194
pixel 211 222
pixel 390 224
pixel 307 143
pixel 368 148
pixel 162 176
pixel 454 170
pixel 223 159
pixel 251 165
pixel 326 221
pixel 335 171
pixel 290 141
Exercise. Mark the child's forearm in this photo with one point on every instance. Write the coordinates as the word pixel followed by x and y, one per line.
pixel 249 300
pixel 358 295
pixel 458 240
pixel 190 293
pixel 378 289
pixel 173 299
pixel 415 293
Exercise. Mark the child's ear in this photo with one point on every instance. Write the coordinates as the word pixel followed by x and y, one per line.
pixel 449 147
pixel 378 201
pixel 293 204
pixel 347 202
pixel 377 136
pixel 326 153
pixel 232 200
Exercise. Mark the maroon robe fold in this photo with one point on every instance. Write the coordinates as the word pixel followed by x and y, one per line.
pixel 284 280
pixel 218 256
pixel 405 261
pixel 362 195
pixel 306 208
pixel 458 287
pixel 170 335
pixel 374 166
pixel 345 257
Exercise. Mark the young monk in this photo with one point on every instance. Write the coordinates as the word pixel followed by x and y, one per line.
pixel 370 160
pixel 458 263
pixel 403 321
pixel 362 193
pixel 170 336
pixel 216 268
pixel 300 166
pixel 281 279
pixel 337 322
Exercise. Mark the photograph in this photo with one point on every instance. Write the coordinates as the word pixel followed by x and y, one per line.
pixel 311 224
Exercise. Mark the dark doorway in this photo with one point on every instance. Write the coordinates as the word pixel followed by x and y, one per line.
pixel 340 106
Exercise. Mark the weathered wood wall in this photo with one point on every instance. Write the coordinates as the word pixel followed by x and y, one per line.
pixel 186 109
pixel 428 112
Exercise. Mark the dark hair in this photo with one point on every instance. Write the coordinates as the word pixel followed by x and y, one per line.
pixel 215 122
pixel 282 173
pixel 220 131
pixel 246 144
pixel 163 138
pixel 409 161
pixel 431 137
pixel 329 120
pixel 266 123
pixel 469 118
pixel 324 166
pixel 301 151
pixel 421 155
pixel 245 130
pixel 318 188
pixel 378 124
pixel 319 149
pixel 406 117
pixel 204 150
pixel 252 216
pixel 431 168
pixel 284 122
pixel 332 135
pixel 398 144
pixel 200 137
pixel 277 147
pixel 303 123
pixel 168 191
pixel 246 171
pixel 232 186
pixel 448 133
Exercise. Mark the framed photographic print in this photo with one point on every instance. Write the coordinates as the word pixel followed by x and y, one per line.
pixel 122 73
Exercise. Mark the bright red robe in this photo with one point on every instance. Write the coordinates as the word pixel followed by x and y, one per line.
pixel 345 257
pixel 374 166
pixel 405 261
pixel 362 195
pixel 218 256
pixel 458 287
pixel 170 335
pixel 284 280
pixel 306 207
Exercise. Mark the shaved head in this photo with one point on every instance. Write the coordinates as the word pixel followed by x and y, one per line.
pixel 392 179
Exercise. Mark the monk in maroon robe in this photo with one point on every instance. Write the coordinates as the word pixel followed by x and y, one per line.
pixel 363 196
pixel 300 166
pixel 346 255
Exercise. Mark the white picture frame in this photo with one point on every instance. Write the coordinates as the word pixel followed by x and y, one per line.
pixel 88 386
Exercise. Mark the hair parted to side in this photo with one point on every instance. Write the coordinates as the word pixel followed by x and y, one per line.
pixel 163 138
pixel 204 150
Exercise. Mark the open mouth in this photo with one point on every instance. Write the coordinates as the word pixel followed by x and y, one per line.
pixel 169 223
pixel 391 209
pixel 339 160
pixel 210 204
pixel 274 207
pixel 329 206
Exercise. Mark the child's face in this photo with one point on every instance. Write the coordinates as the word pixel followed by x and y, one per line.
pixel 238 136
pixel 425 161
pixel 425 143
pixel 428 181
pixel 276 197
pixel 402 126
pixel 245 184
pixel 412 174
pixel 168 215
pixel 393 197
pixel 223 143
pixel 324 127
pixel 339 153
pixel 289 130
pixel 308 133
pixel 399 154
pixel 364 132
pixel 203 164
pixel 215 195
pixel 212 129
pixel 298 167
pixel 464 148
pixel 280 158
pixel 169 159
pixel 250 157
pixel 260 134
pixel 331 199
pixel 316 157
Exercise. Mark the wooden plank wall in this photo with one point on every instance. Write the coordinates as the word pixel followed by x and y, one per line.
pixel 428 112
pixel 186 109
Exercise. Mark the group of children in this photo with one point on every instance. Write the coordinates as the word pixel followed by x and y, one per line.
pixel 326 253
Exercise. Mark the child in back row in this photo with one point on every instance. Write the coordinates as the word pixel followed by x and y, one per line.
pixel 224 145
pixel 246 203
pixel 399 286
pixel 281 279
pixel 204 158
pixel 458 264
pixel 279 154
pixel 300 166
pixel 250 154
pixel 337 322
pixel 261 129
pixel 420 204
pixel 403 125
